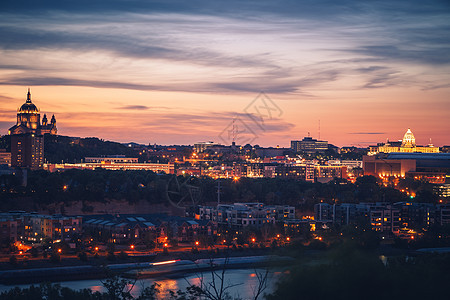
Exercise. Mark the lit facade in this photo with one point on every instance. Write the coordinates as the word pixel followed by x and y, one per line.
pixel 202 146
pixel 27 136
pixel 383 218
pixel 5 157
pixel 407 145
pixel 34 227
pixel 29 120
pixel 168 168
pixel 240 215
pixel 309 145
pixel 27 150
pixel 432 167
pixel 111 159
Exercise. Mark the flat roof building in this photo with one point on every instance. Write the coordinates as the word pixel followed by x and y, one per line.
pixel 309 145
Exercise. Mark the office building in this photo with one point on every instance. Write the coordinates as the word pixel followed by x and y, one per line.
pixel 309 145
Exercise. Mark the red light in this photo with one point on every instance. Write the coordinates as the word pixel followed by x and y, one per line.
pixel 132 246
pixel 165 244
pixel 196 243
pixel 59 250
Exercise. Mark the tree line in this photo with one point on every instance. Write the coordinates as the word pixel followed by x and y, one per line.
pixel 101 185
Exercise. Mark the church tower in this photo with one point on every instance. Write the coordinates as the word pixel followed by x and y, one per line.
pixel 27 136
pixel 28 118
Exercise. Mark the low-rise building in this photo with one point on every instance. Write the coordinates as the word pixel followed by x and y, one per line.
pixel 168 168
pixel 382 217
pixel 240 215
pixel 35 227
pixel 157 228
pixel 121 159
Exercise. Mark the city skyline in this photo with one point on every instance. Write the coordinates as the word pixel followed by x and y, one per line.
pixel 179 73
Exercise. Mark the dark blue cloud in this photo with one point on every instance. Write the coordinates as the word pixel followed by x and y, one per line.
pixel 380 32
pixel 309 9
pixel 431 55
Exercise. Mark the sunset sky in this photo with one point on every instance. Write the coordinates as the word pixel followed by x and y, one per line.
pixel 179 72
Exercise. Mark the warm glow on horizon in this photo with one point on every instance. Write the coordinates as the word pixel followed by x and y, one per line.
pixel 172 75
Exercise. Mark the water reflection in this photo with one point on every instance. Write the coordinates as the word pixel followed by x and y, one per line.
pixel 243 282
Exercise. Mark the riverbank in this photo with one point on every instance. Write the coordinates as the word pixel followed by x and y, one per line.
pixel 71 268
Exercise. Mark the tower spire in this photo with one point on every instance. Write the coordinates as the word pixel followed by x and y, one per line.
pixel 29 96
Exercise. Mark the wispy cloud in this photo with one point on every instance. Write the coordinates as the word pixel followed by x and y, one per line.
pixel 368 133
pixel 341 56
pixel 134 107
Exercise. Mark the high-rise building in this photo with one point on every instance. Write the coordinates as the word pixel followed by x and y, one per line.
pixel 27 150
pixel 27 136
pixel 309 145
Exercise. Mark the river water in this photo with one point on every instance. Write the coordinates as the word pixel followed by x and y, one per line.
pixel 242 283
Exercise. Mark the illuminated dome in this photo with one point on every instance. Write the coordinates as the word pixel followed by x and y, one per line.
pixel 29 120
pixel 28 107
pixel 408 139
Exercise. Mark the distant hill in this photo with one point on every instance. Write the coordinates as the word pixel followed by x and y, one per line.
pixel 60 148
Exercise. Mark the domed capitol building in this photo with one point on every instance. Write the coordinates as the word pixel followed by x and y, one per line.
pixel 27 136
pixel 407 144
